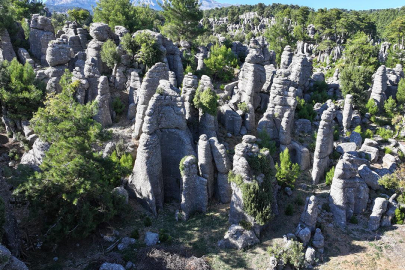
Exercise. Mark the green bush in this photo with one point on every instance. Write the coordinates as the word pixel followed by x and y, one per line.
pixel 221 63
pixel 305 110
pixel 206 100
pixel 289 210
pixel 135 234
pixel 326 207
pixel 319 92
pixel 385 133
pixel 20 93
pixel 72 192
pixel 164 237
pixel 387 150
pixel 399 216
pixel 287 173
pixel 368 134
pixel 292 254
pixel 372 107
pixel 401 92
pixel 335 134
pixel 109 54
pixel 118 106
pixel 329 176
pixel 243 107
pixel 266 142
pixel 390 107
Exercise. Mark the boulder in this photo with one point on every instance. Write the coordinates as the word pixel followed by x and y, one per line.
pixel 346 147
pixel 371 178
pixel 6 48
pixel 238 238
pixel 379 208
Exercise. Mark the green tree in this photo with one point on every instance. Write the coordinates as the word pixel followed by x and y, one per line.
pixel 401 92
pixel 21 9
pixel 355 80
pixel 221 63
pixel 109 55
pixel 144 47
pixel 78 15
pixel 372 107
pixel 390 107
pixel 287 172
pixel 395 31
pixel 20 93
pixel 206 100
pixel 72 193
pixel 182 18
pixel 360 52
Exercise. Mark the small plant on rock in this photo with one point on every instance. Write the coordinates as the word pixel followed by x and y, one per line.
pixel 287 172
pixel 243 107
pixel 329 176
pixel 289 210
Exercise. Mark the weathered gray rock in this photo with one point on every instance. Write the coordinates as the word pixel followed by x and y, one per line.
pixel 148 88
pixel 101 31
pixel 379 208
pixel 230 119
pixel 298 154
pixel 205 163
pixel 103 100
pixel 111 266
pixel 190 84
pixel 389 215
pixel 301 70
pixel 25 57
pixel 151 238
pixel 356 138
pixel 165 140
pixel 58 52
pixel 35 156
pixel 310 255
pixel 286 57
pixel 6 48
pixel 121 192
pixel 278 118
pixel 347 113
pixel 238 238
pixel 346 147
pixel 389 162
pixel 220 156
pixel 9 262
pixel 194 193
pixel 318 241
pixel 324 145
pixel 310 214
pixel 41 33
pixel 125 243
pixel 302 126
pixel 371 178
pixel 348 194
pixel 379 87
pixel 304 234
pixel 370 151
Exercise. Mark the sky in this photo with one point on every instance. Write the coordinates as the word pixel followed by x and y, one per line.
pixel 316 4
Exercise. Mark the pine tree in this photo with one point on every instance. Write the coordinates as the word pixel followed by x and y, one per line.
pixel 287 172
pixel 181 19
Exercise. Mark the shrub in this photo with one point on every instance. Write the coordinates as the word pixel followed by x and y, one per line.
pixel 206 100
pixel 319 92
pixel 399 216
pixel 118 106
pixel 221 63
pixel 401 92
pixel 329 176
pixel 372 107
pixel 291 254
pixel 335 134
pixel 287 173
pixel 368 134
pixel 326 207
pixel 109 54
pixel 20 93
pixel 289 210
pixel 164 237
pixel 390 107
pixel 127 162
pixel 266 142
pixel 387 150
pixel 299 201
pixel 385 133
pixel 305 110
pixel 243 107
pixel 72 192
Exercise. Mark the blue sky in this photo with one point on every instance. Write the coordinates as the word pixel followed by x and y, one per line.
pixel 346 4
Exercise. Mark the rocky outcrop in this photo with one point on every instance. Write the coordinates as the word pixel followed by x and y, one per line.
pixel 164 141
pixel 6 48
pixel 286 57
pixel 238 238
pixel 324 145
pixel 35 156
pixel 194 196
pixel 206 163
pixel 133 88
pixel 278 118
pixel 148 88
pixel 58 53
pixel 310 214
pixel 301 71
pixel 25 57
pixel 190 84
pixel 41 32
pixel 10 262
pixel 379 208
pixel 348 193
pixel 379 87
pixel 347 113
pixel 103 100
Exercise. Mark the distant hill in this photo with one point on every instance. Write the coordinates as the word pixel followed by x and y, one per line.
pixel 63 5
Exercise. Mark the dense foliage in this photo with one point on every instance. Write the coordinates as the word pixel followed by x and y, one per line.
pixel 395 182
pixel 20 93
pixel 221 63
pixel 72 192
pixel 287 172
pixel 206 100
